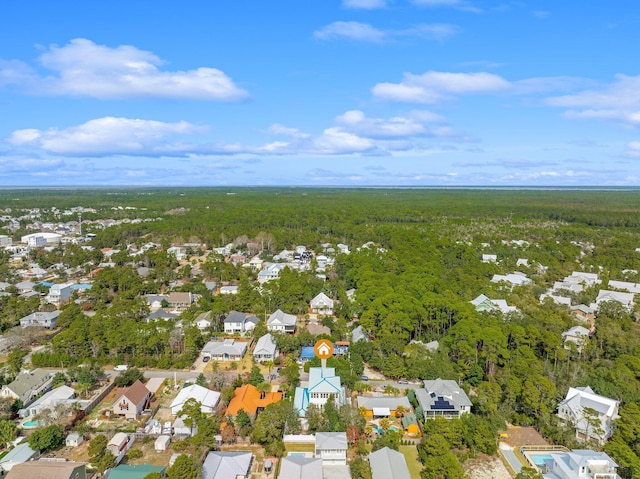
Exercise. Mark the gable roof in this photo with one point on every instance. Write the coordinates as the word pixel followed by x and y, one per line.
pixel 127 471
pixel 248 397
pixel 581 397
pixel 442 394
pixel 280 317
pixel 388 464
pixel 26 381
pixel 298 467
pixel 206 397
pixel 323 300
pixel 44 470
pixel 324 380
pixel 228 346
pixel 265 345
pixel 371 402
pixel 225 465
pixel 331 440
pixel 136 393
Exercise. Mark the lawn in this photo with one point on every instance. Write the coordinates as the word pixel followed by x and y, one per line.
pixel 411 456
pixel 292 447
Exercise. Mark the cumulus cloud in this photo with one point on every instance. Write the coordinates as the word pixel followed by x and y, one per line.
pixel 364 4
pixel 277 129
pixel 105 136
pixel 431 87
pixel 356 121
pixel 83 68
pixel 363 32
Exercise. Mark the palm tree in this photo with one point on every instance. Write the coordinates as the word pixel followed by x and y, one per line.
pixel 400 410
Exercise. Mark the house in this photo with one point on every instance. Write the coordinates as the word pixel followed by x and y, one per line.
pixel 323 384
pixel 382 406
pixel 40 319
pixel 583 313
pixel 483 303
pixel 229 290
pixel 266 349
pixel 59 395
pixel 140 471
pixel 625 299
pixel 522 262
pixel 270 272
pixel 160 314
pixel 332 447
pixel 578 336
pixel 179 300
pixel 299 467
pixel 207 398
pixel 118 443
pixel 358 334
pixel 226 350
pixel 578 464
pixel 514 279
pixel 131 401
pixel 322 304
pixel 18 455
pixel 582 407
pixel 48 470
pixel 227 465
pixel 388 464
pixel 239 323
pixel 489 258
pixel 443 397
pixel 59 294
pixel 25 287
pixel 280 321
pixel 155 301
pixel 252 401
pixel 561 300
pixel 625 286
pixel 307 354
pixel 203 321
pixel 74 439
pixel 27 386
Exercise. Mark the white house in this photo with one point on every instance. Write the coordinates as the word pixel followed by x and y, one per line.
pixel 582 408
pixel 322 304
pixel 578 464
pixel 443 397
pixel 489 258
pixel 227 350
pixel 239 323
pixel 578 335
pixel 625 286
pixel 300 467
pixel 266 349
pixel 280 321
pixel 483 303
pixel 207 398
pixel 59 293
pixel 40 319
pixel 227 465
pixel 514 279
pixel 625 299
pixel 331 447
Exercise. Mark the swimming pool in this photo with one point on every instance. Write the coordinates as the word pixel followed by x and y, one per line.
pixel 539 459
pixel 32 423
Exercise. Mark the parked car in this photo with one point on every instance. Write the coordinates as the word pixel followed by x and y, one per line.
pixel 403 381
pixel 121 367
pixel 364 378
pixel 206 359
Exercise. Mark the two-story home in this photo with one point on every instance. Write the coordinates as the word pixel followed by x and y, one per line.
pixel 181 300
pixel 280 321
pixel 589 413
pixel 322 304
pixel 578 464
pixel 252 401
pixel 443 397
pixel 323 384
pixel 388 464
pixel 332 447
pixel 130 402
pixel 40 319
pixel 266 349
pixel 27 386
pixel 239 323
pixel 59 294
pixel 576 336
pixel 227 465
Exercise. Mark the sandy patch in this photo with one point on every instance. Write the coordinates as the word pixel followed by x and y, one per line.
pixel 486 467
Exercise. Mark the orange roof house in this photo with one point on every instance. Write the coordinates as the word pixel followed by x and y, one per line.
pixel 248 397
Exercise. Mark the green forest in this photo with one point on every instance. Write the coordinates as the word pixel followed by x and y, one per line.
pixel 414 284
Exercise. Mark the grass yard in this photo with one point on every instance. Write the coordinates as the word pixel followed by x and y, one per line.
pixel 291 447
pixel 411 456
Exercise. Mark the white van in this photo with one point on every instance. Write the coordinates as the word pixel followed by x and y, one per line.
pixel 121 367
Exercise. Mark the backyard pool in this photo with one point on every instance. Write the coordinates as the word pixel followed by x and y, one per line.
pixel 539 459
pixel 32 423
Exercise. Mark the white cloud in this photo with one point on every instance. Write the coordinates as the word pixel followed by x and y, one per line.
pixel 363 32
pixel 277 129
pixel 83 68
pixel 364 4
pixel 351 30
pixel 458 4
pixel 355 121
pixel 433 86
pixel 633 149
pixel 106 136
pixel 618 101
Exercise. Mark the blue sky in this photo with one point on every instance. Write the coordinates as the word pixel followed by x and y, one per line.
pixel 320 92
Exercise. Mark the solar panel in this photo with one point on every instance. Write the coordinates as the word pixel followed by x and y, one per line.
pixel 442 404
